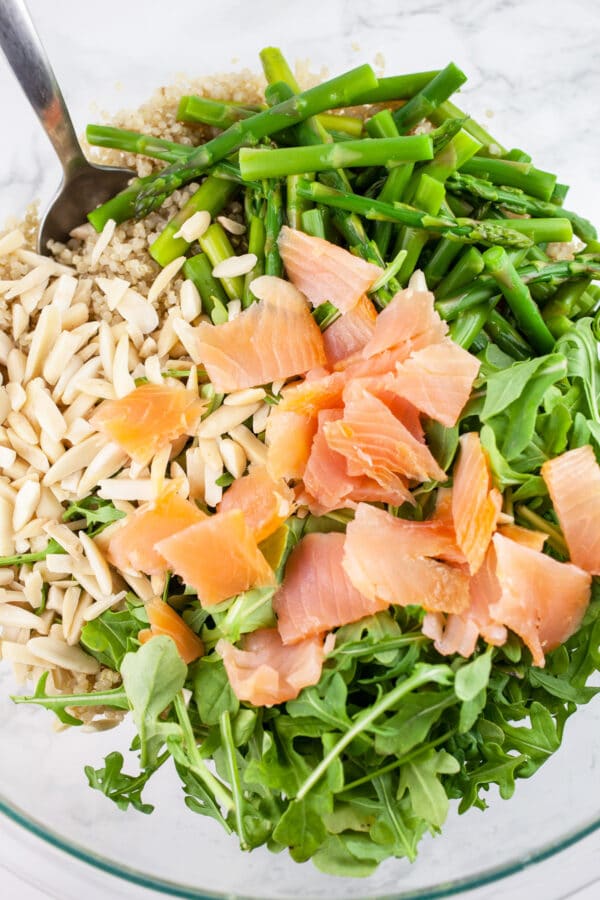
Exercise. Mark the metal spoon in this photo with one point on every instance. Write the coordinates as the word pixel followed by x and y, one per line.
pixel 84 186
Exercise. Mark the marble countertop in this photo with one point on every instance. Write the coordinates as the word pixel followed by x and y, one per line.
pixel 534 78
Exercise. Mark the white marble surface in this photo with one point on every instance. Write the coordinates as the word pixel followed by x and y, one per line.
pixel 534 79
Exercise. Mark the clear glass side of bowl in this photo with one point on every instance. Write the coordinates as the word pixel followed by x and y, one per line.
pixel 117 57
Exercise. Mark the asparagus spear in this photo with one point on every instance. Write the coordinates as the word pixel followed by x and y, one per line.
pixel 206 111
pixel 454 155
pixel 134 142
pixel 518 297
pixel 468 267
pixel 212 195
pixel 447 111
pixel 336 92
pixel 520 175
pixel 467 230
pixel 255 217
pixel 396 87
pixel 465 330
pixel 273 223
pixel 517 201
pixel 440 261
pixel 313 223
pixel 295 204
pixel 217 247
pixel 382 125
pixel 199 270
pixel 264 163
pixel 428 197
pixel 442 86
pixel 506 337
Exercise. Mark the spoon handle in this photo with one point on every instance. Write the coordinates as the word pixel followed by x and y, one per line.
pixel 27 58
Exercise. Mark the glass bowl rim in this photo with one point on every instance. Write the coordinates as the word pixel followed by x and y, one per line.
pixel 171 889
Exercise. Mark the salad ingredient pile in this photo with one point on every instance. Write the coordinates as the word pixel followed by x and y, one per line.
pixel 299 461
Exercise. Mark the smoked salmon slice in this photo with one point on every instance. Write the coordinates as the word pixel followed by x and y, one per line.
pixel 376 443
pixel 475 503
pixel 132 547
pixel 289 437
pixel 573 482
pixel 316 594
pixel 266 503
pixel 218 557
pixel 535 540
pixel 542 600
pixel 266 671
pixel 408 323
pixel 149 418
pixel 273 339
pixel 314 394
pixel 328 483
pixel 323 271
pixel 378 565
pixel 349 334
pixel 437 380
pixel 164 620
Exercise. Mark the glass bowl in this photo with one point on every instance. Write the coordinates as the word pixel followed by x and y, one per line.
pixel 530 80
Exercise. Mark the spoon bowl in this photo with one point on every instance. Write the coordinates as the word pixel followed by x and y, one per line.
pixel 84 190
pixel 84 186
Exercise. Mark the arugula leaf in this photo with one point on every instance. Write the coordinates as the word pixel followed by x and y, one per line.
pixel 514 422
pixel 245 613
pixel 473 677
pixel 58 703
pixel 442 442
pixel 124 790
pixel 113 634
pixel 505 386
pixel 98 513
pixel 412 723
pixel 212 691
pixel 152 678
pixel 25 559
pixel 421 779
pixel 580 348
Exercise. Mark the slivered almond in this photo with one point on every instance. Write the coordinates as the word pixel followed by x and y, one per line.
pixel 53 449
pixel 194 227
pixel 235 265
pixel 114 289
pixel 101 606
pixel 255 449
pixel 16 653
pixel 5 404
pixel 16 363
pixel 194 464
pixel 65 537
pixel 104 239
pixel 167 337
pixel 140 585
pixel 98 564
pixel 6 345
pixel 45 410
pixel 75 316
pixel 15 617
pixel 106 348
pixel 259 419
pixel 107 461
pixel 164 278
pixel 190 301
pixel 231 225
pixel 153 370
pixel 78 431
pixel 224 419
pixel 98 388
pixel 6 576
pixel 123 383
pixel 234 457
pixel 64 292
pixel 39 275
pixel 138 312
pixel 7 457
pixel 45 335
pixel 20 320
pixel 187 335
pixel 58 652
pixel 68 373
pixel 64 349
pixel 126 489
pixel 33 584
pixel 17 396
pixel 11 241
pixel 26 502
pixel 71 598
pixel 78 409
pixel 88 370
pixel 234 308
pixel 241 398
pixel 30 300
pixel 75 458
pixel 32 455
